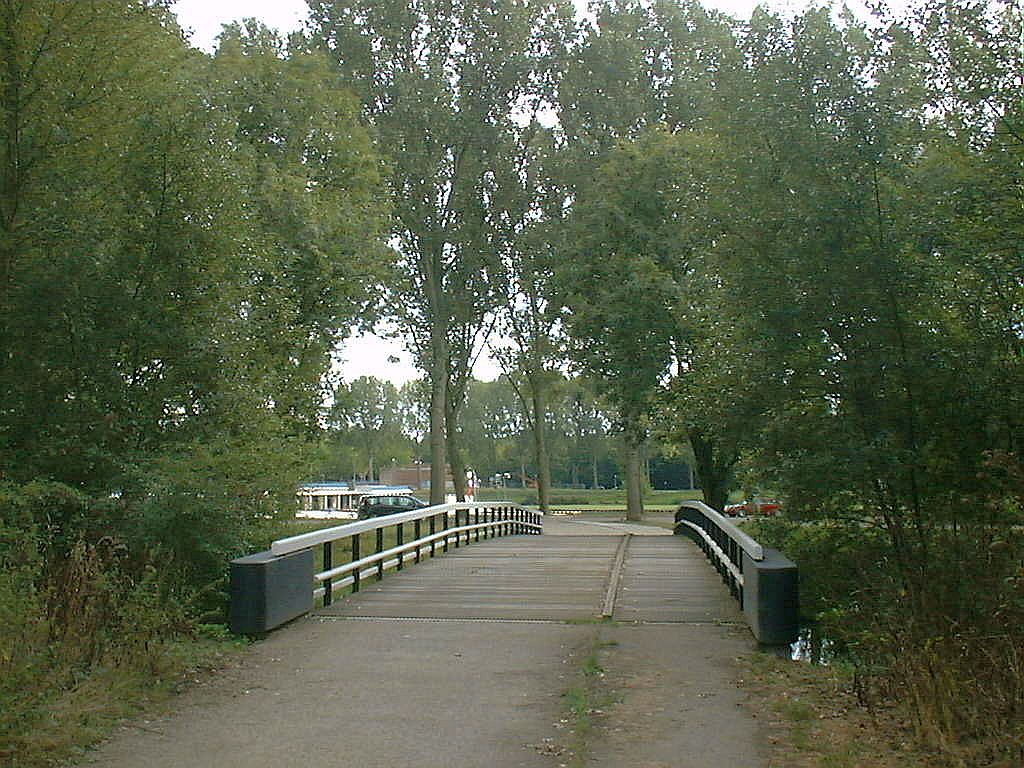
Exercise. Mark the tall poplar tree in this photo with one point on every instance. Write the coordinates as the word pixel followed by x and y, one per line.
pixel 442 84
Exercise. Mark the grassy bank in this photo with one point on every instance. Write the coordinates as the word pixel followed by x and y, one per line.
pixel 585 497
pixel 812 718
pixel 53 713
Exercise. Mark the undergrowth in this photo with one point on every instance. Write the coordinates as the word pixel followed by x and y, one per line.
pixel 941 641
pixel 92 628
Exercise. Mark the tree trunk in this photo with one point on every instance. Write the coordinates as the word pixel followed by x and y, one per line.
pixel 713 471
pixel 438 390
pixel 593 467
pixel 634 480
pixel 455 460
pixel 541 443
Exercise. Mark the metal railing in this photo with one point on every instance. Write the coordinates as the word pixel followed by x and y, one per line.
pixel 722 542
pixel 763 580
pixel 432 528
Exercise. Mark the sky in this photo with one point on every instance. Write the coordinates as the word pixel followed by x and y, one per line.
pixel 368 355
pixel 205 17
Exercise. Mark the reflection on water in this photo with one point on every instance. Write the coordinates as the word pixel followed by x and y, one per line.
pixel 813 647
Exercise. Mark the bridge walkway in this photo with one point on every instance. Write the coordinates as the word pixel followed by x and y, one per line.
pixel 463 661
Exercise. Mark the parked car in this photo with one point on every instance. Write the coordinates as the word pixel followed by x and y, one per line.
pixel 375 506
pixel 767 507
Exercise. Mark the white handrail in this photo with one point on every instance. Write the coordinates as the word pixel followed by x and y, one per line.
pixel 357 565
pixel 722 556
pixel 306 540
pixel 744 540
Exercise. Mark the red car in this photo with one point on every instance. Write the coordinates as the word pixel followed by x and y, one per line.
pixel 766 507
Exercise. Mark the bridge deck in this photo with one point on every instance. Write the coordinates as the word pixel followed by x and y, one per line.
pixel 552 578
pixel 462 661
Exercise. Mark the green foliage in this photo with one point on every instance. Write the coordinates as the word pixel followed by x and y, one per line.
pixel 182 242
pixel 817 272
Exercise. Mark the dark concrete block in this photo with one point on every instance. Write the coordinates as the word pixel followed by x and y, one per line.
pixel 771 598
pixel 268 591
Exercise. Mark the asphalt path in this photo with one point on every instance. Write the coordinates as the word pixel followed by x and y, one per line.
pixel 463 661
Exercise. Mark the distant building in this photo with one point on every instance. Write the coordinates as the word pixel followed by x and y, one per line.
pixel 416 477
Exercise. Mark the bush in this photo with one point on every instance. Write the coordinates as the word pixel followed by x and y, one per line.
pixel 953 653
pixel 72 609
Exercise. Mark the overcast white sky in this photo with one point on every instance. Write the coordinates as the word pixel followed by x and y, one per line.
pixel 205 17
pixel 368 355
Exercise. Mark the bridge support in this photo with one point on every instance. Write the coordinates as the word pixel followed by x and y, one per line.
pixel 771 598
pixel 269 590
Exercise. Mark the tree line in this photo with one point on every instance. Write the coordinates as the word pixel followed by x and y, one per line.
pixel 789 248
pixel 373 425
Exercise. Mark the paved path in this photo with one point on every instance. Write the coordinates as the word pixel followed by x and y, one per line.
pixel 461 662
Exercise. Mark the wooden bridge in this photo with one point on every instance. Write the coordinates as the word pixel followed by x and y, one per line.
pixel 466 658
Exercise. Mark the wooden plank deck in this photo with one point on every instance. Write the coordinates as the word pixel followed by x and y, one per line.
pixel 552 578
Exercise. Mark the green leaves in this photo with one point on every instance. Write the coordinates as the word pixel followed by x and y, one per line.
pixel 183 240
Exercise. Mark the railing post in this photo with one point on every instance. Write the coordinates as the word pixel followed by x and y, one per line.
pixel 355 556
pixel 476 521
pixel 399 541
pixel 328 564
pixel 433 526
pixel 416 528
pixel 444 527
pixel 380 548
pixel 458 536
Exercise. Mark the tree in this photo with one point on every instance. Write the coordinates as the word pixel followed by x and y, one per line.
pixel 368 412
pixel 621 294
pixel 532 353
pixel 316 188
pixel 441 84
pixel 174 270
pixel 589 425
pixel 860 269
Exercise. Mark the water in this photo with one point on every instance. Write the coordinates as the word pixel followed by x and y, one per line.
pixel 812 647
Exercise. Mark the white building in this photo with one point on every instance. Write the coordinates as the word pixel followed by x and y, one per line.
pixel 330 500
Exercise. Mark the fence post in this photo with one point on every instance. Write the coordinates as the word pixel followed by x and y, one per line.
pixel 328 564
pixel 380 548
pixel 355 556
pixel 400 540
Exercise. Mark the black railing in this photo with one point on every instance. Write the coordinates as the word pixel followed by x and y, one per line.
pixel 762 580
